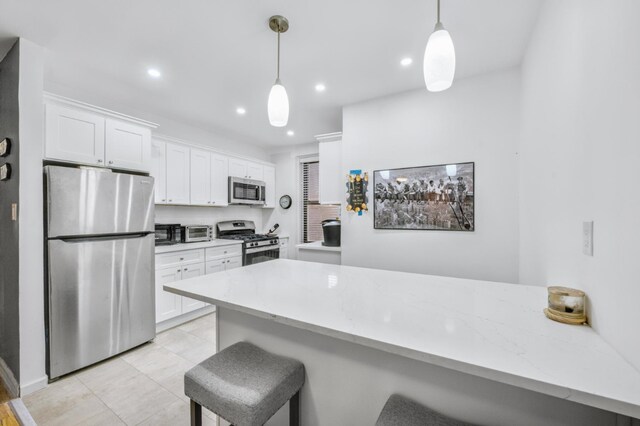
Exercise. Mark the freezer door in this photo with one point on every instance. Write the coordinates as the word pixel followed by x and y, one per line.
pixel 101 298
pixel 87 201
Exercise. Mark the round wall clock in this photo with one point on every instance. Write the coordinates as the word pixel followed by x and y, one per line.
pixel 285 202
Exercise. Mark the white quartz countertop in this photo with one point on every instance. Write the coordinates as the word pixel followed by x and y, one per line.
pixel 492 330
pixel 195 246
pixel 317 245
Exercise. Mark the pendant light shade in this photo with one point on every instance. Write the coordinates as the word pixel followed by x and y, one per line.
pixel 439 59
pixel 278 105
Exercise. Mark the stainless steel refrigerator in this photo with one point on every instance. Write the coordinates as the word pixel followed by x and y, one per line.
pixel 100 263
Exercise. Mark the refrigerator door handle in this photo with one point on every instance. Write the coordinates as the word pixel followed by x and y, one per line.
pixel 104 237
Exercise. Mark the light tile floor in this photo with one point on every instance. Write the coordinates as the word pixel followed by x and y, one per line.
pixel 141 387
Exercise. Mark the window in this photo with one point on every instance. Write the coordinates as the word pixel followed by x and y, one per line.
pixel 313 213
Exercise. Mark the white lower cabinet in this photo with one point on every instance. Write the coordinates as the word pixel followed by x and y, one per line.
pixel 284 248
pixel 192 271
pixel 184 264
pixel 224 264
pixel 168 305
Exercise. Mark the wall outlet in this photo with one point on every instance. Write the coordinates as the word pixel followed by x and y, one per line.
pixel 587 238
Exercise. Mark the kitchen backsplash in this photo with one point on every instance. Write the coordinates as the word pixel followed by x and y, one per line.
pixel 190 215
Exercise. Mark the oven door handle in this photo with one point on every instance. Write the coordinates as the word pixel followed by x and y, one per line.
pixel 264 248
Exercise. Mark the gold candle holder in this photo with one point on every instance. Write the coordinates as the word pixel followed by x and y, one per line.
pixel 566 305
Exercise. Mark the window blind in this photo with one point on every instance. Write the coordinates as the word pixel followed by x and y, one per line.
pixel 313 213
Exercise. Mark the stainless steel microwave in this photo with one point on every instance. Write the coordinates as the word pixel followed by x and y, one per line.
pixel 246 191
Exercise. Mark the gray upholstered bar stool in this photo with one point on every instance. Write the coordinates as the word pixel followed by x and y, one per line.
pixel 401 411
pixel 245 385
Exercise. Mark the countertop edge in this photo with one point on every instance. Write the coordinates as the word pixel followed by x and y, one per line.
pixel 318 247
pixel 558 391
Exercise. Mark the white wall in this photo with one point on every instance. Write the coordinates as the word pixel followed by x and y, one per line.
pixel 287 161
pixel 580 151
pixel 31 267
pixel 476 120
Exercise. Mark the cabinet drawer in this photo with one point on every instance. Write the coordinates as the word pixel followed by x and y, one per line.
pixel 184 257
pixel 215 253
pixel 284 242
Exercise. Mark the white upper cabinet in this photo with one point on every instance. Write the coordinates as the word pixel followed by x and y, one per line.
pixel 188 175
pixel 270 187
pixel 237 167
pixel 332 181
pixel 245 169
pixel 81 133
pixel 177 174
pixel 74 135
pixel 159 170
pixel 200 171
pixel 255 171
pixel 219 180
pixel 127 146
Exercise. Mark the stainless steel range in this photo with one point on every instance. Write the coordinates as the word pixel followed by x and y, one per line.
pixel 256 248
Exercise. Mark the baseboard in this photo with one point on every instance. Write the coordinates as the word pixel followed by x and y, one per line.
pixel 179 320
pixel 33 386
pixel 21 413
pixel 9 379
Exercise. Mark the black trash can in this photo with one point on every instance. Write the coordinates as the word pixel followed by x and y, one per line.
pixel 331 231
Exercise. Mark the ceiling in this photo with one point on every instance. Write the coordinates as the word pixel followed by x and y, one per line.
pixel 216 56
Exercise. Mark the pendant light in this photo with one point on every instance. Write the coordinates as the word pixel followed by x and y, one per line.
pixel 278 105
pixel 439 59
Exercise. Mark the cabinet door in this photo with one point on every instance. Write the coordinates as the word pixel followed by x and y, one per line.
pixel 128 146
pixel 237 168
pixel 233 262
pixel 284 252
pixel 177 174
pixel 168 305
pixel 200 178
pixel 159 170
pixel 270 187
pixel 216 266
pixel 74 135
pixel 219 180
pixel 331 184
pixel 255 171
pixel 191 271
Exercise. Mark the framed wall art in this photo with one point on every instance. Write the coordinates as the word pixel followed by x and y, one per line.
pixel 438 198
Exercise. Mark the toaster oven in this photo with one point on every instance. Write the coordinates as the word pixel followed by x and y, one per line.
pixel 197 233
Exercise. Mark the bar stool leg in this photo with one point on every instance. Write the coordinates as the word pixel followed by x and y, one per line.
pixel 196 414
pixel 294 410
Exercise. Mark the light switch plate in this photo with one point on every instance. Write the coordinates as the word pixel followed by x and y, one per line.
pixel 587 238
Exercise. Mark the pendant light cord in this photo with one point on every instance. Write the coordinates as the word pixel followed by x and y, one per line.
pixel 278 70
pixel 438 11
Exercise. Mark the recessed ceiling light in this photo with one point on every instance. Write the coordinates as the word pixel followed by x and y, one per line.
pixel 290 132
pixel 320 87
pixel 405 62
pixel 241 111
pixel 155 73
